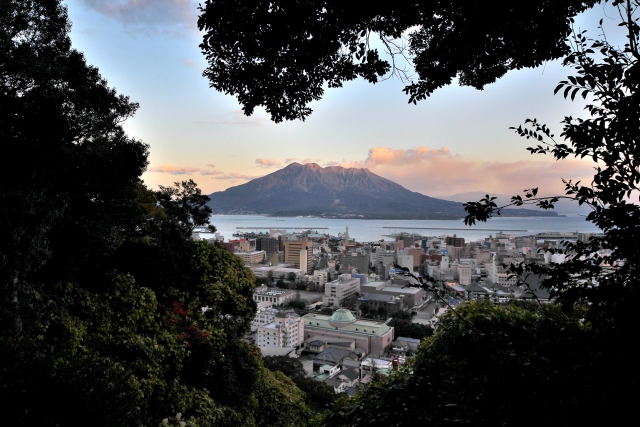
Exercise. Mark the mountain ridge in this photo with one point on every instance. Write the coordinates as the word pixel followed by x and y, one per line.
pixel 334 191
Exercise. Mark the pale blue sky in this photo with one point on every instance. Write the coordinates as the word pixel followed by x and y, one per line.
pixel 148 50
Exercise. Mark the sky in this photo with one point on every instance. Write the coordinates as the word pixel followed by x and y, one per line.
pixel 456 141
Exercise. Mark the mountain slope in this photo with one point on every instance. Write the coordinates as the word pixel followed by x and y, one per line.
pixel 332 191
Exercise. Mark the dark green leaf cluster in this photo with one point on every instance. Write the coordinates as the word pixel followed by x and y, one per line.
pixel 406 328
pixel 317 395
pixel 281 54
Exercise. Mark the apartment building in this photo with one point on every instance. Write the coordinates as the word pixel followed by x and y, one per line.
pixel 287 330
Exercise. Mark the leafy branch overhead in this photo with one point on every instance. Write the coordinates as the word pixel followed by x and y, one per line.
pixel 282 54
pixel 609 76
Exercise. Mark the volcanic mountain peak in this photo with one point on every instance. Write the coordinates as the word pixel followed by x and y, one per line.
pixel 310 189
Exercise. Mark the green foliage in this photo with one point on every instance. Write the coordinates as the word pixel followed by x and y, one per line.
pixel 185 204
pixel 404 327
pixel 281 55
pixel 317 395
pixel 64 194
pixel 280 402
pixel 299 304
pixel 461 374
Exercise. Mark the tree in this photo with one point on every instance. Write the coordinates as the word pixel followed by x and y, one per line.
pixel 64 194
pixel 185 205
pixel 280 55
pixel 318 395
pixel 404 327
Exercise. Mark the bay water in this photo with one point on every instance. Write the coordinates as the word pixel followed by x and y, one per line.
pixel 370 230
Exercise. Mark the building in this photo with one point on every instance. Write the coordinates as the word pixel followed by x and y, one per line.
pixel 267 244
pixel 391 304
pixel 287 330
pixel 465 271
pixel 277 297
pixel 456 242
pixel 499 275
pixel 251 257
pixel 371 337
pixel 405 261
pixel 266 314
pixel 411 296
pixel 276 271
pixel 416 253
pixel 336 292
pixel 299 252
pixel 359 262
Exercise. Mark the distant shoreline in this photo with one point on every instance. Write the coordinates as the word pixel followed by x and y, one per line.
pixel 384 217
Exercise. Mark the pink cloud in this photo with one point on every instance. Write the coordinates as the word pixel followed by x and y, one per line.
pixel 307 160
pixel 289 160
pixel 211 165
pixel 174 170
pixel 267 163
pixel 438 172
pixel 192 64
pixel 207 173
pixel 332 163
pixel 238 176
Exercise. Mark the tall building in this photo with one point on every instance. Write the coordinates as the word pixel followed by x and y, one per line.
pixel 267 244
pixel 293 250
pixel 454 241
pixel 286 330
pixel 406 261
pixel 416 253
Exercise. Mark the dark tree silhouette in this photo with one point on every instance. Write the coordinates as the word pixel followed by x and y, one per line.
pixel 281 54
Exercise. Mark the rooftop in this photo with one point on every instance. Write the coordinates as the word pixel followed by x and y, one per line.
pixel 359 326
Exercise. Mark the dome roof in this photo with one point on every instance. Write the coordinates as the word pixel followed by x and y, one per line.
pixel 342 317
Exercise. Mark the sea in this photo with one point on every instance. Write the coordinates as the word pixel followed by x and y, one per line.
pixel 371 230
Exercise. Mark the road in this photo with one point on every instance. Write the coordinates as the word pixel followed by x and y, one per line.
pixel 425 313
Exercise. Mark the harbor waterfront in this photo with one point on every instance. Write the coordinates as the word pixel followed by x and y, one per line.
pixel 369 230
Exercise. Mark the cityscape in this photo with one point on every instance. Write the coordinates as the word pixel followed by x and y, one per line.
pixel 329 300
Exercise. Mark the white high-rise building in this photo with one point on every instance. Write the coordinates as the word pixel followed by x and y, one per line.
pixel 286 330
pixel 406 261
